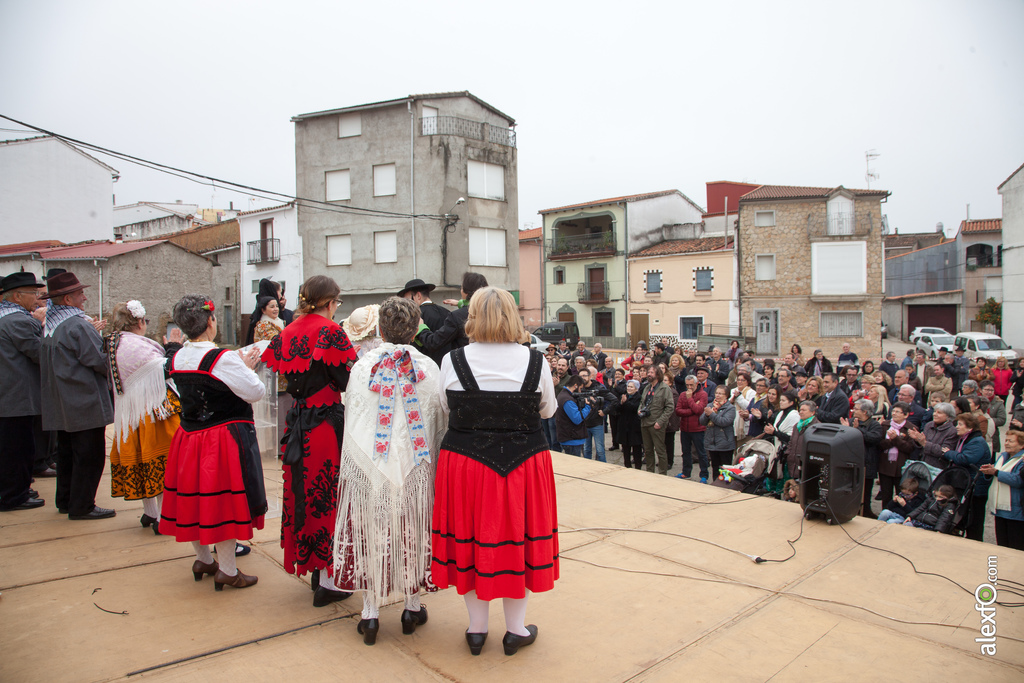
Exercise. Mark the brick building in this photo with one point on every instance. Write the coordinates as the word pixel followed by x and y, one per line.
pixel 811 268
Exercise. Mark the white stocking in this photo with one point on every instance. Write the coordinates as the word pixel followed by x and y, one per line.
pixel 412 602
pixel 327 581
pixel 477 609
pixel 151 506
pixel 370 609
pixel 515 615
pixel 203 553
pixel 226 557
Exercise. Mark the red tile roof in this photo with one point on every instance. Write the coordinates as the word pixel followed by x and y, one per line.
pixel 686 247
pixel 269 208
pixel 799 192
pixel 612 200
pixel 88 250
pixel 982 225
pixel 530 234
pixel 27 247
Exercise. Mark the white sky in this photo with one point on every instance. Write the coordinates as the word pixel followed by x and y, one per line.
pixel 611 98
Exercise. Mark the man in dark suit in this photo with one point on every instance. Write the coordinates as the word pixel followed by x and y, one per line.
pixel 906 393
pixel 833 405
pixel 452 333
pixel 599 356
pixel 419 292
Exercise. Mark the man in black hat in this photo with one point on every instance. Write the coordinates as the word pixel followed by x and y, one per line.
pixel 419 292
pixel 21 333
pixel 75 398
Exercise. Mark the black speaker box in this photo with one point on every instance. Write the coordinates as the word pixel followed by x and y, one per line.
pixel 832 477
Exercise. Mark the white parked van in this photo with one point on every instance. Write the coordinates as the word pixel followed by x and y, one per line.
pixel 985 345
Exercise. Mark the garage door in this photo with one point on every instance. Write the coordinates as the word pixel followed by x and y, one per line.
pixel 932 316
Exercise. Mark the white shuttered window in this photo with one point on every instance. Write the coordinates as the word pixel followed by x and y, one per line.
pixel 486 247
pixel 486 181
pixel 841 324
pixel 339 250
pixel 839 268
pixel 338 186
pixel 383 180
pixel 764 266
pixel 385 246
pixel 350 125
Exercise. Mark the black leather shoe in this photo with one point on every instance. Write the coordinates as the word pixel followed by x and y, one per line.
pixel 325 596
pixel 240 550
pixel 476 642
pixel 62 511
pixel 96 513
pixel 410 620
pixel 146 520
pixel 314 580
pixel 30 504
pixel 512 642
pixel 48 472
pixel 369 628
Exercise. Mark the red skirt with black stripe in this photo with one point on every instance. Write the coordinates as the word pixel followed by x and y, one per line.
pixel 204 493
pixel 496 535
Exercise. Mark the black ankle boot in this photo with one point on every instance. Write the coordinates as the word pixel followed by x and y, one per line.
pixel 410 620
pixel 369 628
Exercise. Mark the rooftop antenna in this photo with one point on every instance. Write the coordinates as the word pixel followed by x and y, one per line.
pixel 870 175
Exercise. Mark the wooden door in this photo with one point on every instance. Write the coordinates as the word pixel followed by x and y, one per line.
pixel 639 328
pixel 595 282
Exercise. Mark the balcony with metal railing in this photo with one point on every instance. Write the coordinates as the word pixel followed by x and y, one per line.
pixel 562 247
pixel 593 292
pixel 839 225
pixel 263 251
pixel 474 130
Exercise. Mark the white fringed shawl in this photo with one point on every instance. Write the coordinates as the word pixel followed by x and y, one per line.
pixel 385 505
pixel 138 366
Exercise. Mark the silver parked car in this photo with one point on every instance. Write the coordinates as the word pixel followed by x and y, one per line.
pixel 931 343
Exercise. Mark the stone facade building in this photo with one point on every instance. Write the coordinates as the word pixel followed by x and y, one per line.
pixel 811 269
pixel 423 186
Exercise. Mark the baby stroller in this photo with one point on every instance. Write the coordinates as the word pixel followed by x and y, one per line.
pixel 750 478
pixel 921 471
pixel 960 478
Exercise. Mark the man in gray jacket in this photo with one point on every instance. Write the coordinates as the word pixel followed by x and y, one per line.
pixel 21 332
pixel 75 398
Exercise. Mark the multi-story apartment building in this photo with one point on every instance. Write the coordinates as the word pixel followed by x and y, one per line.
pixel 811 268
pixel 423 186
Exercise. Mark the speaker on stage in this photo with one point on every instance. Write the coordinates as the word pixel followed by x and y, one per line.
pixel 832 472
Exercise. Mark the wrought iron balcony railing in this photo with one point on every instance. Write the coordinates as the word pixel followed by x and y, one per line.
pixel 476 130
pixel 581 245
pixel 592 292
pixel 263 251
pixel 839 225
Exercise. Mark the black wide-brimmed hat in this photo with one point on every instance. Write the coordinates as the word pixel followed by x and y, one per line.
pixel 416 284
pixel 61 284
pixel 17 280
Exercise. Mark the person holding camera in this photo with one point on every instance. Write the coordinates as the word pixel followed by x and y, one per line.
pixel 573 410
pixel 595 421
pixel 656 408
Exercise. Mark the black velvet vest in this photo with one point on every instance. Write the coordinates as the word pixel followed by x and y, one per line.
pixel 205 400
pixel 501 429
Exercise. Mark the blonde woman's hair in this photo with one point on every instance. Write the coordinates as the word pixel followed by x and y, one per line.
pixel 494 317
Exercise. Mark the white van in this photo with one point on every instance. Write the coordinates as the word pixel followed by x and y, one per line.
pixel 985 345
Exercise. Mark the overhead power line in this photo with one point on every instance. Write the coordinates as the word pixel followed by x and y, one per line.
pixel 203 179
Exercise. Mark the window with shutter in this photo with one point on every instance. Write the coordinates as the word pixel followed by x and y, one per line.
pixel 839 268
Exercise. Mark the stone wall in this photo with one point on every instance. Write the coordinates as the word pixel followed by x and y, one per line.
pixel 791 290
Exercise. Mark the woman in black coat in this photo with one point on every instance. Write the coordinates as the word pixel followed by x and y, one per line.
pixel 629 435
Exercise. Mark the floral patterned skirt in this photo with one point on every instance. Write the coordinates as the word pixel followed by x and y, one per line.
pixel 308 547
pixel 137 463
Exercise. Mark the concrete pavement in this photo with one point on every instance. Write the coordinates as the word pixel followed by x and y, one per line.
pixel 637 600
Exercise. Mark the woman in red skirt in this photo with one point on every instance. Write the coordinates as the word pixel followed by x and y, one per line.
pixel 315 356
pixel 213 484
pixel 495 523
